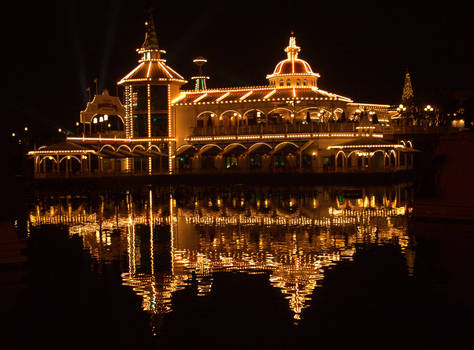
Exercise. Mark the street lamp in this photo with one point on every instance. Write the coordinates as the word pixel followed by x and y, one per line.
pixel 428 109
pixel 401 108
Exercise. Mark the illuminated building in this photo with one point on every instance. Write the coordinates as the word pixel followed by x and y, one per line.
pixel 289 125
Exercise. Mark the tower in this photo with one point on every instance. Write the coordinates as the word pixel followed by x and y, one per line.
pixel 200 78
pixel 149 88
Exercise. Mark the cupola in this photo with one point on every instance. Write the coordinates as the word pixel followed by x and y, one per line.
pixel 293 72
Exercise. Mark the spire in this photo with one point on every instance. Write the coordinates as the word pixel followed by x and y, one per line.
pixel 151 40
pixel 407 94
pixel 292 50
pixel 150 48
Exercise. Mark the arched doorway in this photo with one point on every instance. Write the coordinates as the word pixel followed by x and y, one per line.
pixel 184 157
pixel 231 156
pixel 284 156
pixel 208 154
pixel 378 160
pixel 258 156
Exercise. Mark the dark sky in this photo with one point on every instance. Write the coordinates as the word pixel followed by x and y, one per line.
pixel 361 50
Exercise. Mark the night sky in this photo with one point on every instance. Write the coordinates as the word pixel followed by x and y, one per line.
pixel 360 50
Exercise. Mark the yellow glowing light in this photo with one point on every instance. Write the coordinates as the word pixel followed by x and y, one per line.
pixel 223 96
pixel 200 98
pixel 269 94
pixel 179 98
pixel 245 95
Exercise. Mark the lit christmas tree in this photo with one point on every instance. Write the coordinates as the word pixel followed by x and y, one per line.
pixel 407 94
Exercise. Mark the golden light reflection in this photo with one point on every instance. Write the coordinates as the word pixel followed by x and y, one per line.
pixel 170 245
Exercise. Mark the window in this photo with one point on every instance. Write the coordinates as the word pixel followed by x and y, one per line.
pixel 282 83
pixel 159 124
pixel 141 97
pixel 305 83
pixel 159 98
pixel 140 128
pixel 288 83
pixel 298 82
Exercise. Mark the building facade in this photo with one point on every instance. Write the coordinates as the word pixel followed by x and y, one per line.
pixel 289 125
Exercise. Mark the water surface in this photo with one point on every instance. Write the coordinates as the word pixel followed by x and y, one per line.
pixel 239 267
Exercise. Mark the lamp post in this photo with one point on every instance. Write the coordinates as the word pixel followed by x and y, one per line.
pixel 401 109
pixel 428 110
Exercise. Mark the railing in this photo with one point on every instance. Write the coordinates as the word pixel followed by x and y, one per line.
pixel 280 129
pixel 419 129
pixel 316 128
pixel 98 174
pixel 294 170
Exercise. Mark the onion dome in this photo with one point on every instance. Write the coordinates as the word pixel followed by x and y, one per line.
pixel 152 68
pixel 293 71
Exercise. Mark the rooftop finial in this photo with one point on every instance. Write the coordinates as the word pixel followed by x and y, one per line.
pixel 151 40
pixel 200 78
pixel 292 50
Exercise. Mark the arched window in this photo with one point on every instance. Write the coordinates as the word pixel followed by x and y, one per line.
pixel 282 83
pixel 305 82
pixel 298 82
pixel 288 82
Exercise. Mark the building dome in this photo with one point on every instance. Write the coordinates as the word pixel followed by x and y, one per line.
pixel 291 67
pixel 293 71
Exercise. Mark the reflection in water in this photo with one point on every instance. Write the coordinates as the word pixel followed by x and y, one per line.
pixel 169 241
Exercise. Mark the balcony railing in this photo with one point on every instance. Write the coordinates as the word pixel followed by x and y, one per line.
pixel 317 128
pixel 419 129
pixel 281 129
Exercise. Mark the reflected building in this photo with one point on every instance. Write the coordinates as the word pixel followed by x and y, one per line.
pixel 169 244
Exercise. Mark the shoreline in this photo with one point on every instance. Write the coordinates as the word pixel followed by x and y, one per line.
pixel 280 179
